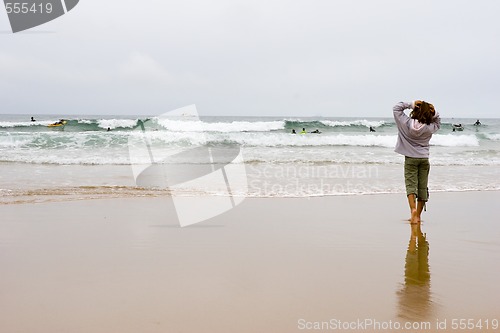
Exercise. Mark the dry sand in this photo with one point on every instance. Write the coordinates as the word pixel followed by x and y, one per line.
pixel 270 265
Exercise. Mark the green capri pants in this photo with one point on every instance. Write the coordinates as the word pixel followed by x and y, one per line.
pixel 417 177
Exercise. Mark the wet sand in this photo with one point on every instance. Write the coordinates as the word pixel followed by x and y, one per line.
pixel 269 265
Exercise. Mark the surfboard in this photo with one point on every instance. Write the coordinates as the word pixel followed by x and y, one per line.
pixel 58 124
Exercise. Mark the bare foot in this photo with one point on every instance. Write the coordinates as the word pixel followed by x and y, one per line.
pixel 415 219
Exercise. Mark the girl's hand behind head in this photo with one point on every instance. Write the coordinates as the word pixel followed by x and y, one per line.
pixel 431 109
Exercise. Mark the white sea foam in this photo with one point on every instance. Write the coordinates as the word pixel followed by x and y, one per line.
pixel 452 140
pixel 14 141
pixel 117 123
pixel 10 124
pixel 360 122
pixel 6 141
pixel 172 138
pixel 254 139
pixel 68 159
pixel 285 139
pixel 492 137
pixel 235 126
pixel 365 140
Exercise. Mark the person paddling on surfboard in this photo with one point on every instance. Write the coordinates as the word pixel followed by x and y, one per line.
pixel 61 122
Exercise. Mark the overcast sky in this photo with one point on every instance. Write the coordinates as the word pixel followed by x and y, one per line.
pixel 274 57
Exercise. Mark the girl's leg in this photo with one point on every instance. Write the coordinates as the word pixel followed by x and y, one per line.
pixel 415 216
pixel 420 208
pixel 411 183
pixel 423 181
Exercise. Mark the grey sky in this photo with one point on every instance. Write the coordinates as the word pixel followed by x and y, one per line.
pixel 275 57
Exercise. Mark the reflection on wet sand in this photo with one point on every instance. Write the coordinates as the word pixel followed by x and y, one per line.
pixel 415 301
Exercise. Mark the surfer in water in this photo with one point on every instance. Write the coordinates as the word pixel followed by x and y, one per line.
pixel 372 129
pixel 477 123
pixel 33 119
pixel 414 133
pixel 303 131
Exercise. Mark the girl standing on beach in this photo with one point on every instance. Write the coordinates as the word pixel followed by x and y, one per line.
pixel 414 133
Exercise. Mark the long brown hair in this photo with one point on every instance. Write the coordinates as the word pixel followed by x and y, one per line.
pixel 423 112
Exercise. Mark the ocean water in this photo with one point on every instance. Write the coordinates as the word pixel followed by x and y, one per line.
pixel 90 156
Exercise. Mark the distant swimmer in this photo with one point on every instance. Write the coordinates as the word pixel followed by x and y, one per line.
pixel 457 127
pixel 477 123
pixel 372 129
pixel 316 131
pixel 303 131
pixel 109 129
pixel 33 119
pixel 293 131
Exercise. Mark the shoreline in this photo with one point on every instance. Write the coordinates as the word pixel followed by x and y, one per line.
pixel 33 183
pixel 83 193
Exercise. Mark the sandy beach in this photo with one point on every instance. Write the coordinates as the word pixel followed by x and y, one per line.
pixel 269 265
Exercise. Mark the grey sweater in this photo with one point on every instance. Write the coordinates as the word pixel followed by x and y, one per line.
pixel 413 136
